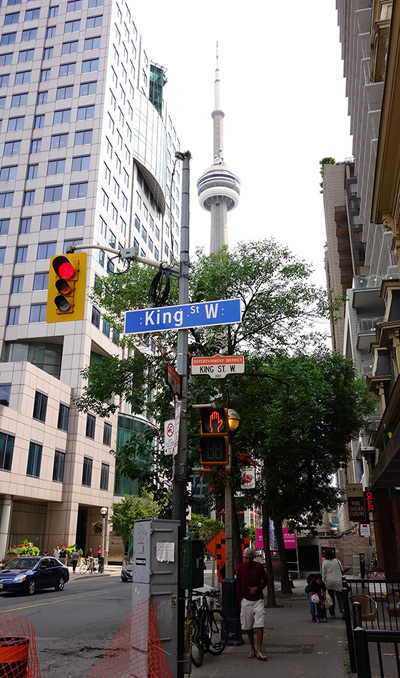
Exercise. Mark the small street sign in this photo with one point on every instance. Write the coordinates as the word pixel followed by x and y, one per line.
pixel 218 366
pixel 223 312
pixel 171 432
pixel 173 379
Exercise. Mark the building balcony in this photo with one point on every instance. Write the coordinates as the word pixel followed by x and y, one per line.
pixel 366 297
pixel 366 332
pixel 340 213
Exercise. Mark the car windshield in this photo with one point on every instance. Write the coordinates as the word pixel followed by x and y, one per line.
pixel 22 564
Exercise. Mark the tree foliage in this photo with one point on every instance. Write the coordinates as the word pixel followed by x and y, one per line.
pixel 131 509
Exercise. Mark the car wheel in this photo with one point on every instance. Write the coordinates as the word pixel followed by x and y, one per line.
pixel 31 587
pixel 60 585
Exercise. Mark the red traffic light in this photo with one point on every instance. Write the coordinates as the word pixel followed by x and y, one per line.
pixel 63 267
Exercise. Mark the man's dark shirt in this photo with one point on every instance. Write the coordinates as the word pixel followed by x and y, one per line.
pixel 249 575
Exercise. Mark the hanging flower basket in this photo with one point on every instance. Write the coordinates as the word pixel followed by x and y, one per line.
pixel 97 527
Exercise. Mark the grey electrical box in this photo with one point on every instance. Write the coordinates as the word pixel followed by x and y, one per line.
pixel 155 577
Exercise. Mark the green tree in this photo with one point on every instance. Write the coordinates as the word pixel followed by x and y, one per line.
pixel 131 509
pixel 304 411
pixel 209 527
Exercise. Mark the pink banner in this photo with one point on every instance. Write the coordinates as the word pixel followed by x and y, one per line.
pixel 288 538
pixel 259 538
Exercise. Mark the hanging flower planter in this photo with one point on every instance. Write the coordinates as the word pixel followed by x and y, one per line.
pixel 97 527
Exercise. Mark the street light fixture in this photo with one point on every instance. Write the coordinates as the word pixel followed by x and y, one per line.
pixel 103 511
pixel 233 421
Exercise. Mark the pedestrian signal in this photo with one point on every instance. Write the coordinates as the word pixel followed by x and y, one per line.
pixel 67 288
pixel 214 439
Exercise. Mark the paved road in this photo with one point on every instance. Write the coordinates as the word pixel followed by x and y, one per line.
pixel 73 627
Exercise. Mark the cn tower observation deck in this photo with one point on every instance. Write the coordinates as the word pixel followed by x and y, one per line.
pixel 218 187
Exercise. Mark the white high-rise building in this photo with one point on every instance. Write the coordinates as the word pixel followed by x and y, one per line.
pixel 87 152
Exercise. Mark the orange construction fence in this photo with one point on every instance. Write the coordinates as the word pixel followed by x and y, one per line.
pixel 18 654
pixel 136 651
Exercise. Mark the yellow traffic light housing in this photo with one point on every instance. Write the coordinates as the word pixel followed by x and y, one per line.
pixel 67 287
pixel 214 439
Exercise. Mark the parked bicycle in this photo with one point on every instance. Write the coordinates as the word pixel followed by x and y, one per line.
pixel 88 565
pixel 205 629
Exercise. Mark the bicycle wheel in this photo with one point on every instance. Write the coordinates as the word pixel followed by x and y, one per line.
pixel 83 568
pixel 197 648
pixel 217 630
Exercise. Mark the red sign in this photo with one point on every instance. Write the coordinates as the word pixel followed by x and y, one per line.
pixel 217 548
pixel 370 501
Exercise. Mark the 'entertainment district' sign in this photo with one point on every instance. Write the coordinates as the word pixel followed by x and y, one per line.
pixel 218 366
pixel 182 317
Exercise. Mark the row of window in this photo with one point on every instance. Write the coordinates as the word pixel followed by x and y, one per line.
pixel 57 141
pixel 13 18
pixel 21 99
pixel 16 123
pixel 79 163
pixel 48 222
pixel 35 459
pixel 45 250
pixel 24 77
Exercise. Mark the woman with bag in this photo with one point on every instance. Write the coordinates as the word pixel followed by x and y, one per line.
pixel 332 573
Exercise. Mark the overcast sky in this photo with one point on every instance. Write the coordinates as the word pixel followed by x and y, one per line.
pixel 283 94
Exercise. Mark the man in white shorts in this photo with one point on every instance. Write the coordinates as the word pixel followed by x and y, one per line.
pixel 251 581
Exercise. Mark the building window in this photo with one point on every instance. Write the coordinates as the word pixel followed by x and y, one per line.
pixel 70 47
pixel 8 173
pixel 37 313
pixel 52 193
pixel 50 32
pixel 42 98
pixel 94 21
pixel 2 254
pixel 83 137
pixel 63 417
pixel 40 406
pixel 85 113
pixel 40 281
pixel 74 242
pixel 87 471
pixel 29 198
pixel 29 34
pixel 55 167
pixel 45 74
pixel 6 199
pixel 49 221
pixel 58 141
pixel 32 171
pixel 4 226
pixel 78 190
pixel 12 148
pixel 17 284
pixel 62 116
pixel 91 43
pixel 105 472
pixel 15 124
pixel 96 313
pixel 6 451
pixel 80 163
pixel 22 78
pixel 64 92
pixel 25 225
pixel 36 145
pixel 90 66
pixel 11 18
pixel 75 218
pixel 72 26
pixel 4 80
pixel 87 88
pixel 48 53
pixel 13 315
pixel 58 466
pixel 46 250
pixel 90 426
pixel 107 433
pixel 25 55
pixel 95 3
pixel 31 14
pixel 34 460
pixel 74 6
pixel 18 100
pixel 2 103
pixel 66 69
pixel 21 254
pixel 5 393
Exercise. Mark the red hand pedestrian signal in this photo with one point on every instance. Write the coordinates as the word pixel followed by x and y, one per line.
pixel 214 440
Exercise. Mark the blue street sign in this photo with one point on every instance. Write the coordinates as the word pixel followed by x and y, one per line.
pixel 183 316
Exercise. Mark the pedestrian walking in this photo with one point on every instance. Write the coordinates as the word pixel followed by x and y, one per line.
pixel 251 580
pixel 56 552
pixel 74 560
pixel 332 573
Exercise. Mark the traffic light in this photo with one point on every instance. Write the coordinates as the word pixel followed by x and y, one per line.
pixel 214 439
pixel 67 287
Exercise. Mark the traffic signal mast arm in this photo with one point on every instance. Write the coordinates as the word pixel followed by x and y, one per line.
pixel 128 254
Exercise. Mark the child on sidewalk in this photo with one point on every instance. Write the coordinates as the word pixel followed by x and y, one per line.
pixel 318 593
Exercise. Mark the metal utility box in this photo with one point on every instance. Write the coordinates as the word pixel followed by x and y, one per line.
pixel 155 576
pixel 191 564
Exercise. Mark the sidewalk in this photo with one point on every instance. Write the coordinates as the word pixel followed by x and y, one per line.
pixel 293 644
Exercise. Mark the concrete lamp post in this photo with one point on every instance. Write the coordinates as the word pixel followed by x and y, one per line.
pixel 103 511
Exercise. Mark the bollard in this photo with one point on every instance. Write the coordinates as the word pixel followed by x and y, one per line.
pixel 13 657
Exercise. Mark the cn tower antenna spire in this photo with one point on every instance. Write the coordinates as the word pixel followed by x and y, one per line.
pixel 218 188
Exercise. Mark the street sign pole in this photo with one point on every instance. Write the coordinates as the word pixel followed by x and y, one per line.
pixel 179 498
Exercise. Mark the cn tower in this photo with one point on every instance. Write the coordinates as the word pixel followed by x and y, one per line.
pixel 218 188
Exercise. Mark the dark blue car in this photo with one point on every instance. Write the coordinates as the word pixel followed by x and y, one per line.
pixel 27 574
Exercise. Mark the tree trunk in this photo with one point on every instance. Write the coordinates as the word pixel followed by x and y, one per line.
pixel 268 562
pixel 237 546
pixel 285 581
